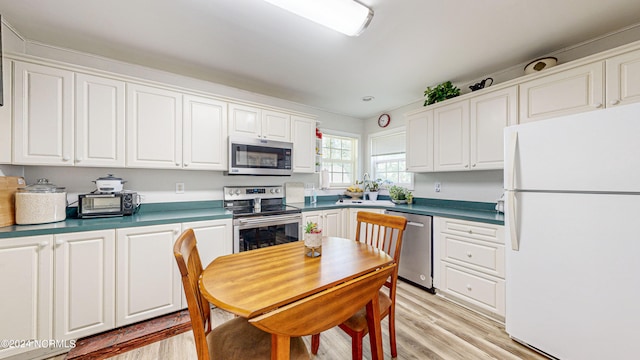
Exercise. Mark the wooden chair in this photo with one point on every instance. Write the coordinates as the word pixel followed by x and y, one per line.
pixel 235 339
pixel 384 232
pixel 329 308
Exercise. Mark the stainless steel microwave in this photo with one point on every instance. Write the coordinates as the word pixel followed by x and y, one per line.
pixel 248 156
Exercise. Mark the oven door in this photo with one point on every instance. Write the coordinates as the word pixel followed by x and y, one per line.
pixel 262 231
pixel 259 157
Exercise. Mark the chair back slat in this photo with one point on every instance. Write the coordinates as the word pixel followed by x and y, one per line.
pixel 312 315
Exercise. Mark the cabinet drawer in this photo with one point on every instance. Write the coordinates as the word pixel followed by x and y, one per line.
pixel 473 230
pixel 483 291
pixel 478 255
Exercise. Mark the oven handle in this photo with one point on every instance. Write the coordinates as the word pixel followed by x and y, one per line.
pixel 269 219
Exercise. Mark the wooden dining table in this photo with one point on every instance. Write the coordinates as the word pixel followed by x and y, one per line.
pixel 252 283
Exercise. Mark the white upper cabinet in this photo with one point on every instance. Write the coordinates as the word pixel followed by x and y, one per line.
pixel 204 133
pixel 5 114
pixel 154 127
pixel 276 125
pixel 303 135
pixel 420 141
pixel 451 137
pixel 100 121
pixel 568 92
pixel 43 115
pixel 623 79
pixel 489 115
pixel 250 121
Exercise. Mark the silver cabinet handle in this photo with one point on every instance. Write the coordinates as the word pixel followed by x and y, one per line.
pixel 413 223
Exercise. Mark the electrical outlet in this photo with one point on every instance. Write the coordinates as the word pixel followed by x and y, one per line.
pixel 179 188
pixel 438 187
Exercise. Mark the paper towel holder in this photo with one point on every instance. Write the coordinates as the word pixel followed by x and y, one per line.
pixel 324 179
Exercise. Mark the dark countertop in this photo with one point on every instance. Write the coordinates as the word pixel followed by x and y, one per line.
pixel 153 214
pixel 464 210
pixel 170 213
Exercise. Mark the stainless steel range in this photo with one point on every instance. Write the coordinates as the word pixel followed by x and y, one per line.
pixel 260 217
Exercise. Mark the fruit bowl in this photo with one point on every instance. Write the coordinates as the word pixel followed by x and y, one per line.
pixel 354 195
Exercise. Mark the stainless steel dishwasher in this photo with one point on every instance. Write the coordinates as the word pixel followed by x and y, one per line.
pixel 415 257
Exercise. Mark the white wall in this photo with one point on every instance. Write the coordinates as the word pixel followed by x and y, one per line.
pixel 159 185
pixel 487 186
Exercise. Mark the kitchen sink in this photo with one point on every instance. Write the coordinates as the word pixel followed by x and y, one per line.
pixel 365 202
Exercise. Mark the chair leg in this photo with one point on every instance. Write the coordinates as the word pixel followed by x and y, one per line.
pixel 315 343
pixel 356 346
pixel 392 332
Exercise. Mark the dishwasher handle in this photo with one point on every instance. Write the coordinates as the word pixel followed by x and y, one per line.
pixel 413 223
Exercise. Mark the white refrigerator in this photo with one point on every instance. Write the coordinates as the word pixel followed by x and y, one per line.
pixel 572 215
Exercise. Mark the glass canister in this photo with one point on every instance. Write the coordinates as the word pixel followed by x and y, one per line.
pixel 41 203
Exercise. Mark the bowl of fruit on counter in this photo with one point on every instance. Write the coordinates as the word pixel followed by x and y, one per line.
pixel 354 192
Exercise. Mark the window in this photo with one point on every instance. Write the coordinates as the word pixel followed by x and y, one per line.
pixel 388 158
pixel 339 157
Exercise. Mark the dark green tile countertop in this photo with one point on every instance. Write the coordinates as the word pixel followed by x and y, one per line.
pixel 170 213
pixel 149 214
pixel 464 210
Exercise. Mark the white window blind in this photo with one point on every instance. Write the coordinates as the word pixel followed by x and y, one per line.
pixel 390 144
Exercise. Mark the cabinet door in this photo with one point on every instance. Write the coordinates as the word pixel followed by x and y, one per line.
pixel 489 115
pixel 420 142
pixel 245 121
pixel 154 127
pixel 99 121
pixel 312 216
pixel 572 91
pixel 276 126
pixel 333 223
pixel 303 136
pixel 623 72
pixel 215 238
pixel 43 115
pixel 84 283
pixel 147 277
pixel 205 133
pixel 6 113
pixel 451 137
pixel 26 296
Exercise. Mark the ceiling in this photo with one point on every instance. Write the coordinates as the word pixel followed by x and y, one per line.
pixel 252 45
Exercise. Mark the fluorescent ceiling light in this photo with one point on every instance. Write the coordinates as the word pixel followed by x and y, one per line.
pixel 346 16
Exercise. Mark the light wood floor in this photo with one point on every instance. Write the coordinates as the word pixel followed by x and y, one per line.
pixel 427 326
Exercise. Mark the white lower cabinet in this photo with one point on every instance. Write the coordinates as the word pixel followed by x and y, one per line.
pixel 147 277
pixel 84 291
pixel 353 219
pixel 214 238
pixel 330 221
pixel 470 264
pixel 26 296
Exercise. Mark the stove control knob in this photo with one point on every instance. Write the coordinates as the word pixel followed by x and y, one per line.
pixel 237 191
pixel 277 191
pixel 273 191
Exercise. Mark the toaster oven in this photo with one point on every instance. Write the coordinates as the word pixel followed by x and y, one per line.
pixel 107 204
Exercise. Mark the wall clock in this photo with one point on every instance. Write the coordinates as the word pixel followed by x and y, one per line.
pixel 384 120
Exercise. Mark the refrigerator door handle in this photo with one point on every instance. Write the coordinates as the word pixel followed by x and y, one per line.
pixel 513 225
pixel 512 147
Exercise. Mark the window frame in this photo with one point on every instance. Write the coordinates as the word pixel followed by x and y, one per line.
pixel 356 162
pixel 372 162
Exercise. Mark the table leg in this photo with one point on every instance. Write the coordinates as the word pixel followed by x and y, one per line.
pixel 280 347
pixel 375 332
